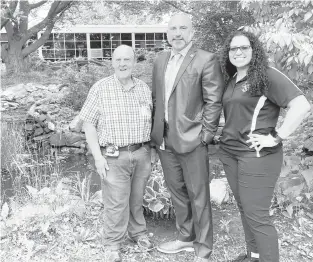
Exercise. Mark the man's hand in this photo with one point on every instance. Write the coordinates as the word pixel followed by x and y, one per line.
pixel 102 166
pixel 260 141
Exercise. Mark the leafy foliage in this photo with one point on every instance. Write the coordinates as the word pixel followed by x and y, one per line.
pixel 80 79
pixel 286 28
pixel 157 198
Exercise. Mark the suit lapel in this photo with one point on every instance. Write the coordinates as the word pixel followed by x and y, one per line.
pixel 188 58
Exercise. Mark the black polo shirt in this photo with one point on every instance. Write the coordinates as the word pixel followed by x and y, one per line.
pixel 245 114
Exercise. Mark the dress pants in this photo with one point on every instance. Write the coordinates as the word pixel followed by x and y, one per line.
pixel 122 193
pixel 252 180
pixel 187 178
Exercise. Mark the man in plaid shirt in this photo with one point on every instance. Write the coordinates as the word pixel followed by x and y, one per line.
pixel 117 124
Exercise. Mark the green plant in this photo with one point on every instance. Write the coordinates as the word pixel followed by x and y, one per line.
pixel 294 189
pixel 157 198
pixel 23 165
pixel 82 187
pixel 80 80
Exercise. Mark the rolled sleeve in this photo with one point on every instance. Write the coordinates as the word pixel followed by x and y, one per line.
pixel 212 88
pixel 90 111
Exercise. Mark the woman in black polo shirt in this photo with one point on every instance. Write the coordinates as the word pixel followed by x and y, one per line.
pixel 250 145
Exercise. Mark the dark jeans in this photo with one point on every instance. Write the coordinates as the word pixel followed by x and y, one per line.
pixel 252 181
pixel 187 178
pixel 122 193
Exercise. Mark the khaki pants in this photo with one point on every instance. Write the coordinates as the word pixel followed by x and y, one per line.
pixel 122 193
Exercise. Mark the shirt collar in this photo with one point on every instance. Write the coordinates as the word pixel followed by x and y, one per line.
pixel 183 52
pixel 120 84
pixel 241 80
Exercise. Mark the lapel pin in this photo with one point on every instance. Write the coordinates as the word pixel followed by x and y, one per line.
pixel 192 55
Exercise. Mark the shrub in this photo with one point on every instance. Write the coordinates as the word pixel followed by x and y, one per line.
pixel 80 80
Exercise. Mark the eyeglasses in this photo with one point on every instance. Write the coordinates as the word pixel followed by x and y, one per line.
pixel 243 48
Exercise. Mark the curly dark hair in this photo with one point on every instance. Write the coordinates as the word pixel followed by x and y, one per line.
pixel 257 72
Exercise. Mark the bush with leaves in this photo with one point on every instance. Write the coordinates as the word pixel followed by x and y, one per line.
pixel 286 29
pixel 157 199
pixel 294 188
pixel 80 79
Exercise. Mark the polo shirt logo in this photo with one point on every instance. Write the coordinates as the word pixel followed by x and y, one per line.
pixel 245 87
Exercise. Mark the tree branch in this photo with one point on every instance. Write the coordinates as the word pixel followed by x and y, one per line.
pixel 56 11
pixel 56 8
pixel 24 13
pixel 7 13
pixel 9 29
pixel 35 45
pixel 180 8
pixel 33 6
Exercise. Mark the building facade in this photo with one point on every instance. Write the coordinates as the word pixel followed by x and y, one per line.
pixel 99 42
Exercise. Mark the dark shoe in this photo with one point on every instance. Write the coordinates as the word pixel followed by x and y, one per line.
pixel 175 246
pixel 144 242
pixel 112 256
pixel 201 259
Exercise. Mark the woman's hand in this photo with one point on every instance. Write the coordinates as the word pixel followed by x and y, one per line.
pixel 260 141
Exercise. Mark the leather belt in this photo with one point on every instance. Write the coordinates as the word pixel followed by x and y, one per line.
pixel 133 147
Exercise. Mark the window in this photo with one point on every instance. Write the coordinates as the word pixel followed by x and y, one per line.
pixel 64 46
pixel 150 41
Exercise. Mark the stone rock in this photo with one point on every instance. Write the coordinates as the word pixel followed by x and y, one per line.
pixel 14 92
pixel 38 131
pixel 53 88
pixel 73 137
pixel 51 126
pixel 8 104
pixel 292 180
pixel 218 190
pixel 30 87
pixel 308 176
pixel 28 127
pixel 308 144
pixel 72 150
pixel 39 86
pixel 79 144
pixel 42 117
pixel 27 100
pixel 42 137
pixel 76 124
pixel 39 94
pixel 57 140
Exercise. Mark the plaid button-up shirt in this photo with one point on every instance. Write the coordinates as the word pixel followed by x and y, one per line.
pixel 122 117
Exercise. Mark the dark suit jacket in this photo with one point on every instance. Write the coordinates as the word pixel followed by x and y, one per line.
pixel 194 104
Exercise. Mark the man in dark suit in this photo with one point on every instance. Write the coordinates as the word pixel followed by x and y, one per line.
pixel 186 89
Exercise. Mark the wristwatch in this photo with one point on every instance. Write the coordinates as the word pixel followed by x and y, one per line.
pixel 277 138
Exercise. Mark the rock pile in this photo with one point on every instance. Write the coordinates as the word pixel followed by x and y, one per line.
pixel 46 121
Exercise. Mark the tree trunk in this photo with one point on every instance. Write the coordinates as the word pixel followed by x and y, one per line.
pixel 14 61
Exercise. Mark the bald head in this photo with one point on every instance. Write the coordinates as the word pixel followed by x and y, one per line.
pixel 124 49
pixel 123 61
pixel 179 31
pixel 180 18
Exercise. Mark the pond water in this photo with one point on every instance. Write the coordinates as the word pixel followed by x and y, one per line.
pixel 74 166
